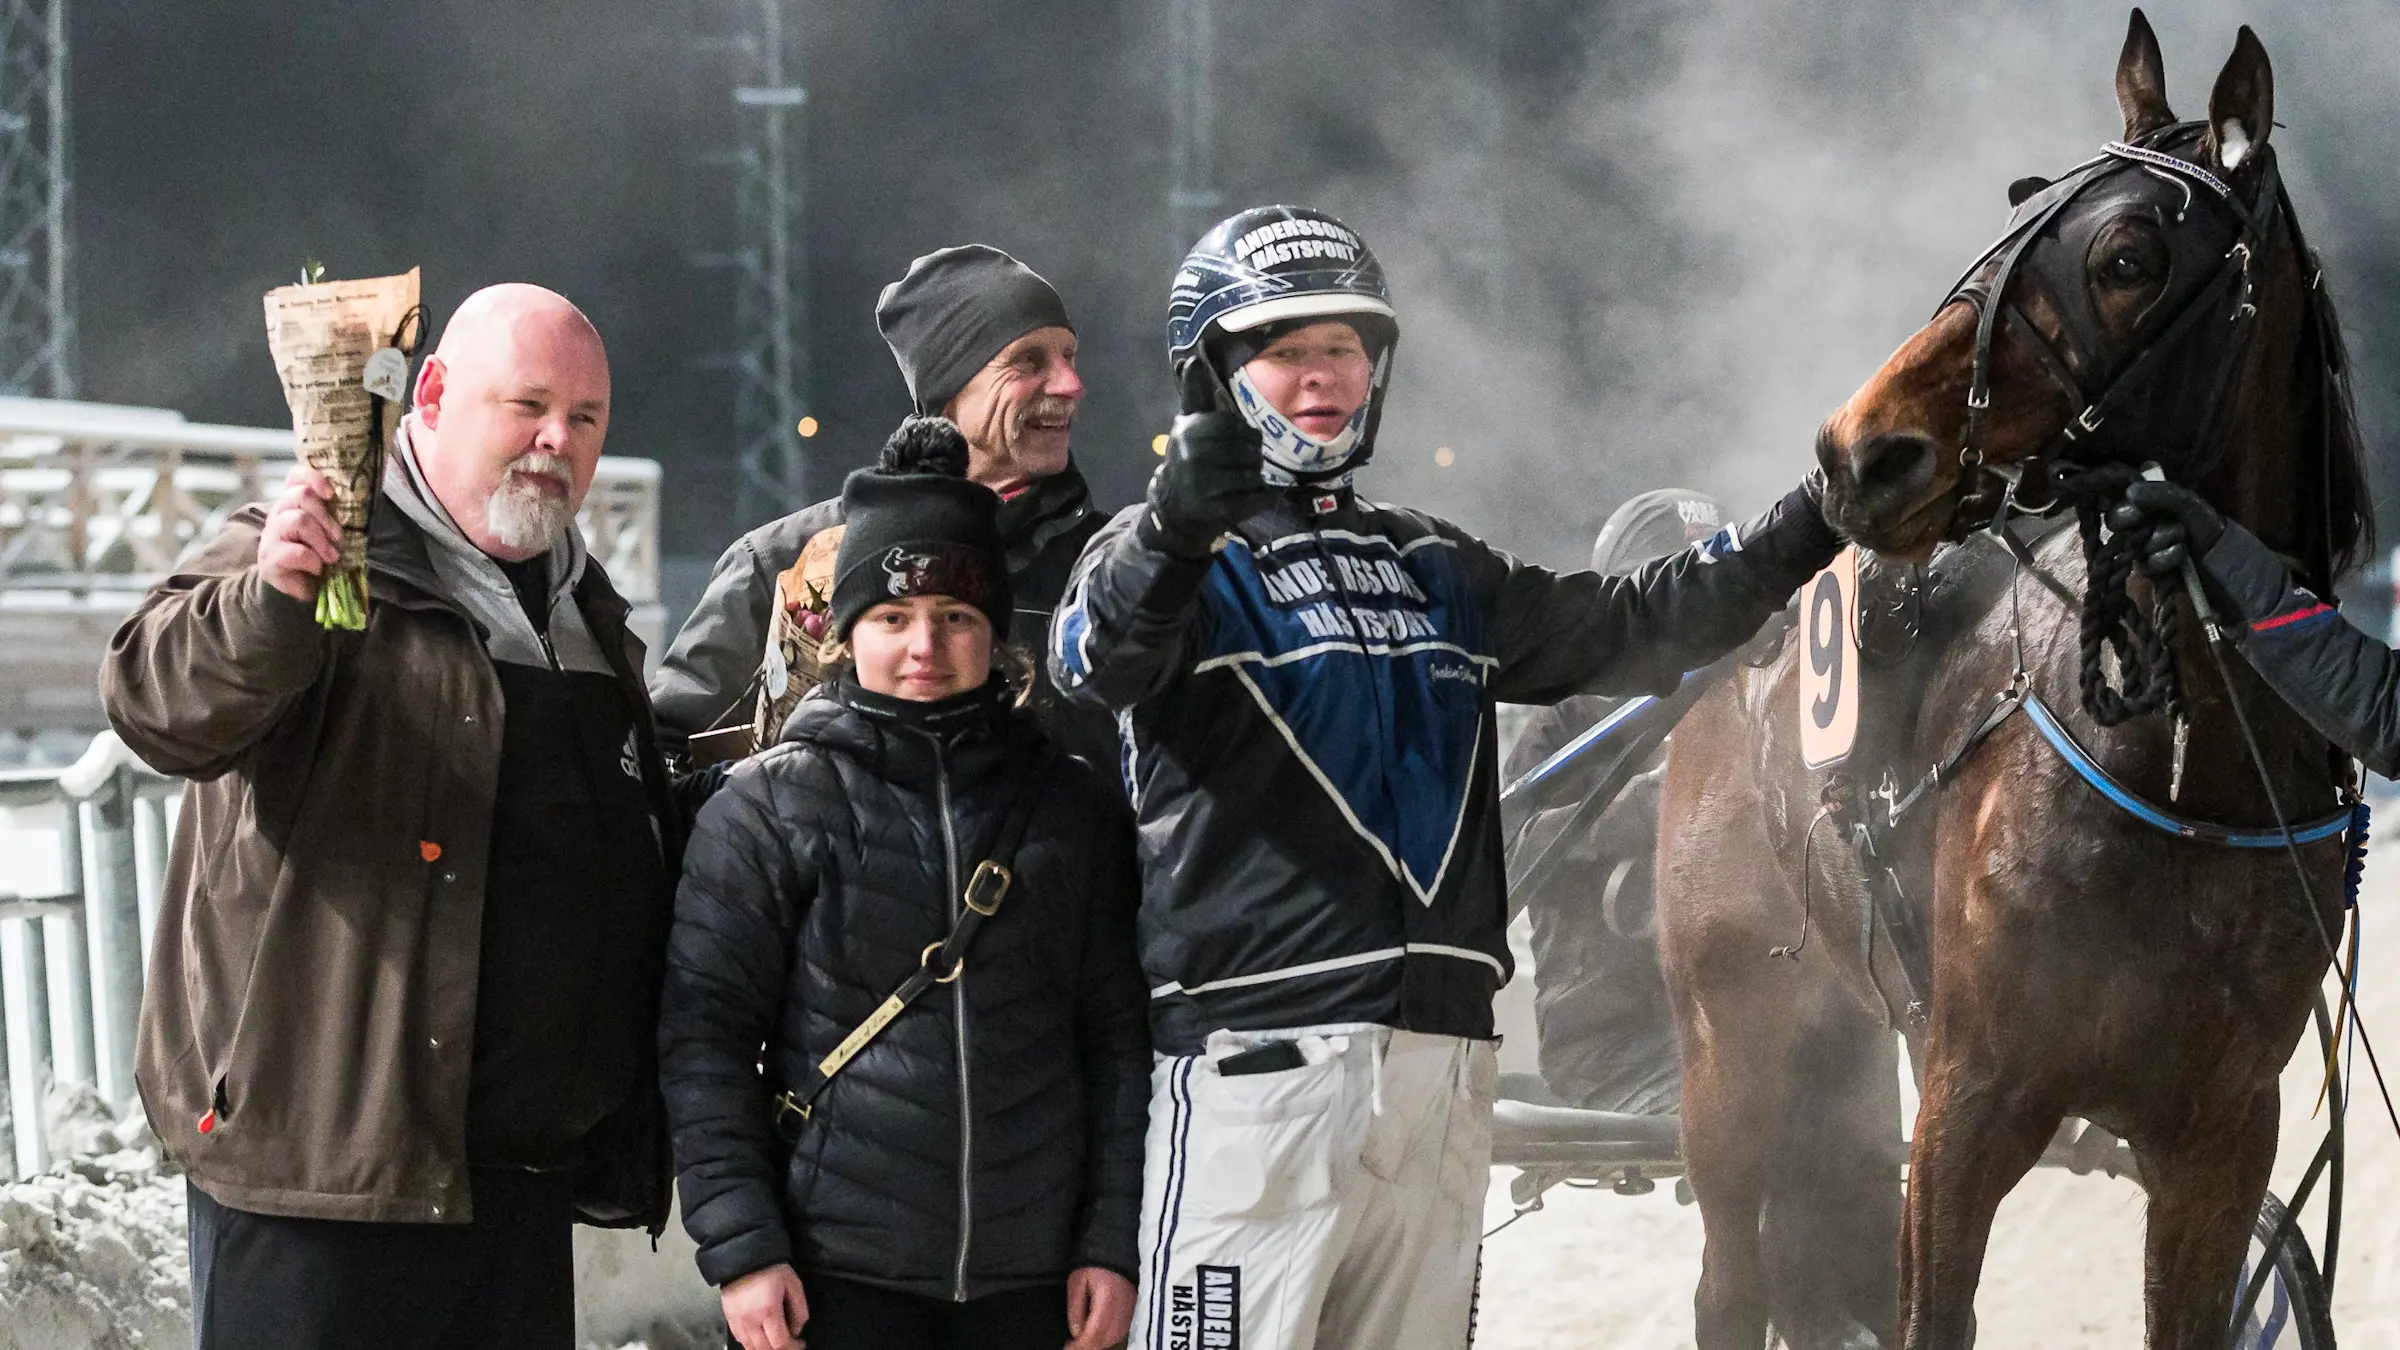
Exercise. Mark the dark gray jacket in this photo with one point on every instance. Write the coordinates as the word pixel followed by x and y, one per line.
pixel 709 666
pixel 2345 682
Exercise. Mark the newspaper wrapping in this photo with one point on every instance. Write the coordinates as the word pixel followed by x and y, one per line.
pixel 341 351
pixel 795 657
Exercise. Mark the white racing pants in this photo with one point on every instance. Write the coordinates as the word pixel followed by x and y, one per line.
pixel 1335 1205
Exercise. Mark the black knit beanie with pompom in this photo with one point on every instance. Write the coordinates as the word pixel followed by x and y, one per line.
pixel 914 525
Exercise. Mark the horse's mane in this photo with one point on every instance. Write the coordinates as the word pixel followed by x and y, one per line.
pixel 2348 528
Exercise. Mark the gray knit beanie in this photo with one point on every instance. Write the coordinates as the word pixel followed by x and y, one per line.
pixel 955 310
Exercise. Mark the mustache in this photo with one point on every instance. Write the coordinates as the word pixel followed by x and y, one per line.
pixel 540 465
pixel 1047 408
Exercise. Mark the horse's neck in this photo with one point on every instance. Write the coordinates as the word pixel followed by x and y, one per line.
pixel 2267 485
pixel 2270 473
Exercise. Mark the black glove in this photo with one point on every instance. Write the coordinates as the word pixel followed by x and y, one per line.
pixel 2178 525
pixel 1212 479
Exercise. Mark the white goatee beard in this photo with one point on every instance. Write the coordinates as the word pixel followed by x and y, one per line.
pixel 522 515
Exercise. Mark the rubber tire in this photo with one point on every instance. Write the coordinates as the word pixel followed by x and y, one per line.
pixel 2296 1270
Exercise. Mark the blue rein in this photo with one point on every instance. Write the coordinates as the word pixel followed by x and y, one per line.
pixel 2182 827
pixel 2348 820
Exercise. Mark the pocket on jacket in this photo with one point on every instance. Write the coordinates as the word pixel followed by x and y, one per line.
pixel 1267 1144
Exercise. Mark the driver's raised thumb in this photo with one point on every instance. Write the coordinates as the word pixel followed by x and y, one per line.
pixel 1199 388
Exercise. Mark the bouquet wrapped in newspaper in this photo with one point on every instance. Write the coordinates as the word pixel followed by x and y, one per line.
pixel 795 654
pixel 793 664
pixel 341 350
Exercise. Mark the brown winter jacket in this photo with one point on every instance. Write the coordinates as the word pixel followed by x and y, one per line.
pixel 306 1032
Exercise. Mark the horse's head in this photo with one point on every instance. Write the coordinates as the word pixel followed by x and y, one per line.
pixel 2097 325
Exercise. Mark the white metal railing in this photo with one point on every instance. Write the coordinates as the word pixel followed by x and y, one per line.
pixel 96 497
pixel 75 934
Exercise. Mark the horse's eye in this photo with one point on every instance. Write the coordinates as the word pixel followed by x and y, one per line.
pixel 2125 268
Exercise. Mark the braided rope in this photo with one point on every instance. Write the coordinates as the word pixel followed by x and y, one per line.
pixel 2147 678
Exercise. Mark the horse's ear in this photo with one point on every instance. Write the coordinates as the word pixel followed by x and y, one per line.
pixel 2019 190
pixel 2142 81
pixel 2241 109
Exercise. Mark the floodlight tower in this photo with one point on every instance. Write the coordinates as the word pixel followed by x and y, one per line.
pixel 749 213
pixel 37 322
pixel 1193 200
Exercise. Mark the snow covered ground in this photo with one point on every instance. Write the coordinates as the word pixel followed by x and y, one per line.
pixel 1597 1269
pixel 92 1256
pixel 92 1253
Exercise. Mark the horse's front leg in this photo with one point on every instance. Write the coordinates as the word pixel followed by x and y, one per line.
pixel 1734 1023
pixel 1974 1142
pixel 2204 1197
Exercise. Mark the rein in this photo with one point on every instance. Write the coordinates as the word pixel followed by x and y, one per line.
pixel 2019 696
pixel 2349 823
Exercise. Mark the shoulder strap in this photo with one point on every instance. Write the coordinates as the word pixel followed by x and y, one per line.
pixel 943 961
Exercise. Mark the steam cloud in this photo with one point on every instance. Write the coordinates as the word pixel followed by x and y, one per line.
pixel 1726 217
pixel 1634 243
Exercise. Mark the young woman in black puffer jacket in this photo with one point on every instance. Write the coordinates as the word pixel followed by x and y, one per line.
pixel 973 1176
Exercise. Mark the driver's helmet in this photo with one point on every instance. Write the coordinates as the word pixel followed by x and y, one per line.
pixel 1655 524
pixel 1265 272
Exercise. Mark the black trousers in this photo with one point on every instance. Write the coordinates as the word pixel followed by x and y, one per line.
pixel 845 1315
pixel 260 1282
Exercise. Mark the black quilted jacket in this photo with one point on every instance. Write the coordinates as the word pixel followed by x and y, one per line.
pixel 991 1137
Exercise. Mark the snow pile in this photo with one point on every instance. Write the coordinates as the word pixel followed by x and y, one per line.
pixel 92 1253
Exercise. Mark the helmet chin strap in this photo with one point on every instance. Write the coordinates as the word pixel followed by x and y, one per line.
pixel 1293 456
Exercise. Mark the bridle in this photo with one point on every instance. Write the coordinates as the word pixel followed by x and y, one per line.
pixel 2113 417
pixel 2165 402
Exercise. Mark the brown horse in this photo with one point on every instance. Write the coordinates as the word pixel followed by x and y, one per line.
pixel 2081 963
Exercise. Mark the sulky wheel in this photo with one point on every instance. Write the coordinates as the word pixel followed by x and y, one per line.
pixel 2293 1312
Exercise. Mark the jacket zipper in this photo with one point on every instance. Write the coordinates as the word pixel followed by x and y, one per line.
pixel 958 1002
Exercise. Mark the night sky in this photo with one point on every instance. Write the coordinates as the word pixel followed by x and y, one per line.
pixel 1634 243
pixel 218 144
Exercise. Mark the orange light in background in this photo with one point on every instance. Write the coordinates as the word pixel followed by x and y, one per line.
pixel 1444 457
pixel 1158 444
pixel 808 427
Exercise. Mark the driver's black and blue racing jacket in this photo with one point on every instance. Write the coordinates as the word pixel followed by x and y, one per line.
pixel 1305 724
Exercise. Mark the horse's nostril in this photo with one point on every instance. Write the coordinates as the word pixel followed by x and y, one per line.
pixel 1893 463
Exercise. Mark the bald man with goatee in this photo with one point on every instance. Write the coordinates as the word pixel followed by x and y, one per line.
pixel 411 934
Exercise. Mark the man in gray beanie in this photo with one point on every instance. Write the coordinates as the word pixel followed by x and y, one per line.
pixel 983 340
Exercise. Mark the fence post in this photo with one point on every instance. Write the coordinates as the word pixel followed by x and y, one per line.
pixel 25 1004
pixel 113 924
pixel 150 844
pixel 67 972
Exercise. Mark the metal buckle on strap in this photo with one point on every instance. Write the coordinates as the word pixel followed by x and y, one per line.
pixel 2085 423
pixel 990 877
pixel 925 959
pixel 788 1105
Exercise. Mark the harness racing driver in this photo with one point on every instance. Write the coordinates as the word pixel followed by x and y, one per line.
pixel 1303 682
